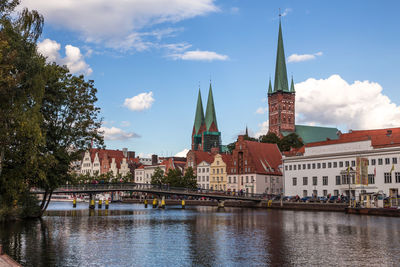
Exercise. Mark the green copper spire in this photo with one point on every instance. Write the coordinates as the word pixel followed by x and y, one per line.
pixel 269 87
pixel 292 86
pixel 199 119
pixel 281 81
pixel 210 111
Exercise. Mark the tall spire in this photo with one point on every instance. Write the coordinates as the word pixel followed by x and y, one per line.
pixel 247 132
pixel 281 81
pixel 199 118
pixel 269 86
pixel 292 86
pixel 210 111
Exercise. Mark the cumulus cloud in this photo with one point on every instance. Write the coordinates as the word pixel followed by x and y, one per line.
pixel 118 24
pixel 182 153
pixel 261 110
pixel 199 56
pixel 140 102
pixel 286 12
pixel 303 57
pixel 334 101
pixel 114 133
pixel 262 129
pixel 73 59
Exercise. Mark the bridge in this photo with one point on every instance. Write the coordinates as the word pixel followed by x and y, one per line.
pixel 152 189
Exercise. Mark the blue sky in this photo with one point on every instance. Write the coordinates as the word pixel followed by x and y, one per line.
pixel 168 48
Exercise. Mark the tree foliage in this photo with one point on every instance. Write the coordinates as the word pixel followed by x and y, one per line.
pixel 158 177
pixel 48 116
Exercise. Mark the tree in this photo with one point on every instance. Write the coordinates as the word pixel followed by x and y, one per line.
pixel 158 177
pixel 21 93
pixel 174 178
pixel 269 138
pixel 290 141
pixel 189 179
pixel 70 123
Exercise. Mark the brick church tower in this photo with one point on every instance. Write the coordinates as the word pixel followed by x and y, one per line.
pixel 281 99
pixel 205 134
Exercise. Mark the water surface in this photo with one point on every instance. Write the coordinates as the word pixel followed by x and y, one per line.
pixel 131 235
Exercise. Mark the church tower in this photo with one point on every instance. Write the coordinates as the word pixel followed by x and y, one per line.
pixel 281 99
pixel 205 134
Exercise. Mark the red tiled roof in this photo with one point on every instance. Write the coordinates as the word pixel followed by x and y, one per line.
pixel 203 156
pixel 265 154
pixel 227 158
pixel 379 138
pixel 118 155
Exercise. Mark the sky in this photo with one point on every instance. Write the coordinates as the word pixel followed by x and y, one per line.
pixel 148 59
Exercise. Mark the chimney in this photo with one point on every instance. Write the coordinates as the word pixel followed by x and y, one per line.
pixel 154 159
pixel 125 152
pixel 131 154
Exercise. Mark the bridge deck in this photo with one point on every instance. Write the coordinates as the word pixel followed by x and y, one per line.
pixel 151 189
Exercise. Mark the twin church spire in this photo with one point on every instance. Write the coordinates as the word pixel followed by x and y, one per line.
pixel 205 133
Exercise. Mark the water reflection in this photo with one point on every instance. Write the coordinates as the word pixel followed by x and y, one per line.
pixel 127 235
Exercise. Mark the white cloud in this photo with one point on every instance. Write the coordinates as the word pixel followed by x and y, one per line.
pixel 286 11
pixel 261 110
pixel 182 153
pixel 140 102
pixel 199 56
pixel 263 129
pixel 73 59
pixel 303 57
pixel 118 24
pixel 144 155
pixel 114 133
pixel 334 102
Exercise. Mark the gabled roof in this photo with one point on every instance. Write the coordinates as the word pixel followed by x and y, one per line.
pixel 203 156
pixel 266 157
pixel 210 112
pixel 310 134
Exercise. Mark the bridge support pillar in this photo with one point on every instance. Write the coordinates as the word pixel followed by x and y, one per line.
pixel 91 202
pixel 145 203
pixel 74 202
pixel 100 204
pixel 162 202
pixel 106 204
pixel 221 204
pixel 183 204
pixel 155 203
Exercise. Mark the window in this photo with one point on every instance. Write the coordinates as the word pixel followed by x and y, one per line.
pixel 347 163
pixel 294 181
pixel 234 179
pixel 217 162
pixel 207 169
pixel 294 167
pixel 308 166
pixel 247 179
pixel 314 180
pixel 207 178
pixel 388 177
pixel 335 164
pixel 234 162
pixel 290 167
pixel 286 168
pixel 315 193
pixel 304 166
pixel 305 180
pixel 397 175
pixel 371 179
pixel 387 161
pixel 222 170
pixel 230 181
pixel 380 161
pixel 394 160
pixel 336 192
pixel 324 180
pixel 299 167
pixel 329 164
pixel 340 164
pixel 313 165
pixel 338 180
pixel 217 171
pixel 323 165
pixel 277 179
pixel 319 165
pixel 245 162
pixel 353 163
pixel 213 171
pixel 373 161
pixel 325 192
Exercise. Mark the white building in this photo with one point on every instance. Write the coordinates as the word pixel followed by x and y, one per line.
pixel 323 167
pixel 144 173
pixel 203 175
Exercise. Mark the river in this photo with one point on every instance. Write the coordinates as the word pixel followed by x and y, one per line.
pixel 131 235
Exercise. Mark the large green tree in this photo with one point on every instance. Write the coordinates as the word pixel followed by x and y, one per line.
pixel 189 179
pixel 158 177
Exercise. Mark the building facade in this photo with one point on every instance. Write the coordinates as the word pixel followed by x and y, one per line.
pixel 218 172
pixel 203 175
pixel 331 167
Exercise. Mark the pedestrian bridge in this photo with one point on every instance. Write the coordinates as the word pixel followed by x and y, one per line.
pixel 151 189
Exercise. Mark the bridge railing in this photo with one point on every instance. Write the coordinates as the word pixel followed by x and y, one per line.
pixel 150 187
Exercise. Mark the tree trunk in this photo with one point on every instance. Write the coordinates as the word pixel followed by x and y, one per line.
pixel 47 203
pixel 43 200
